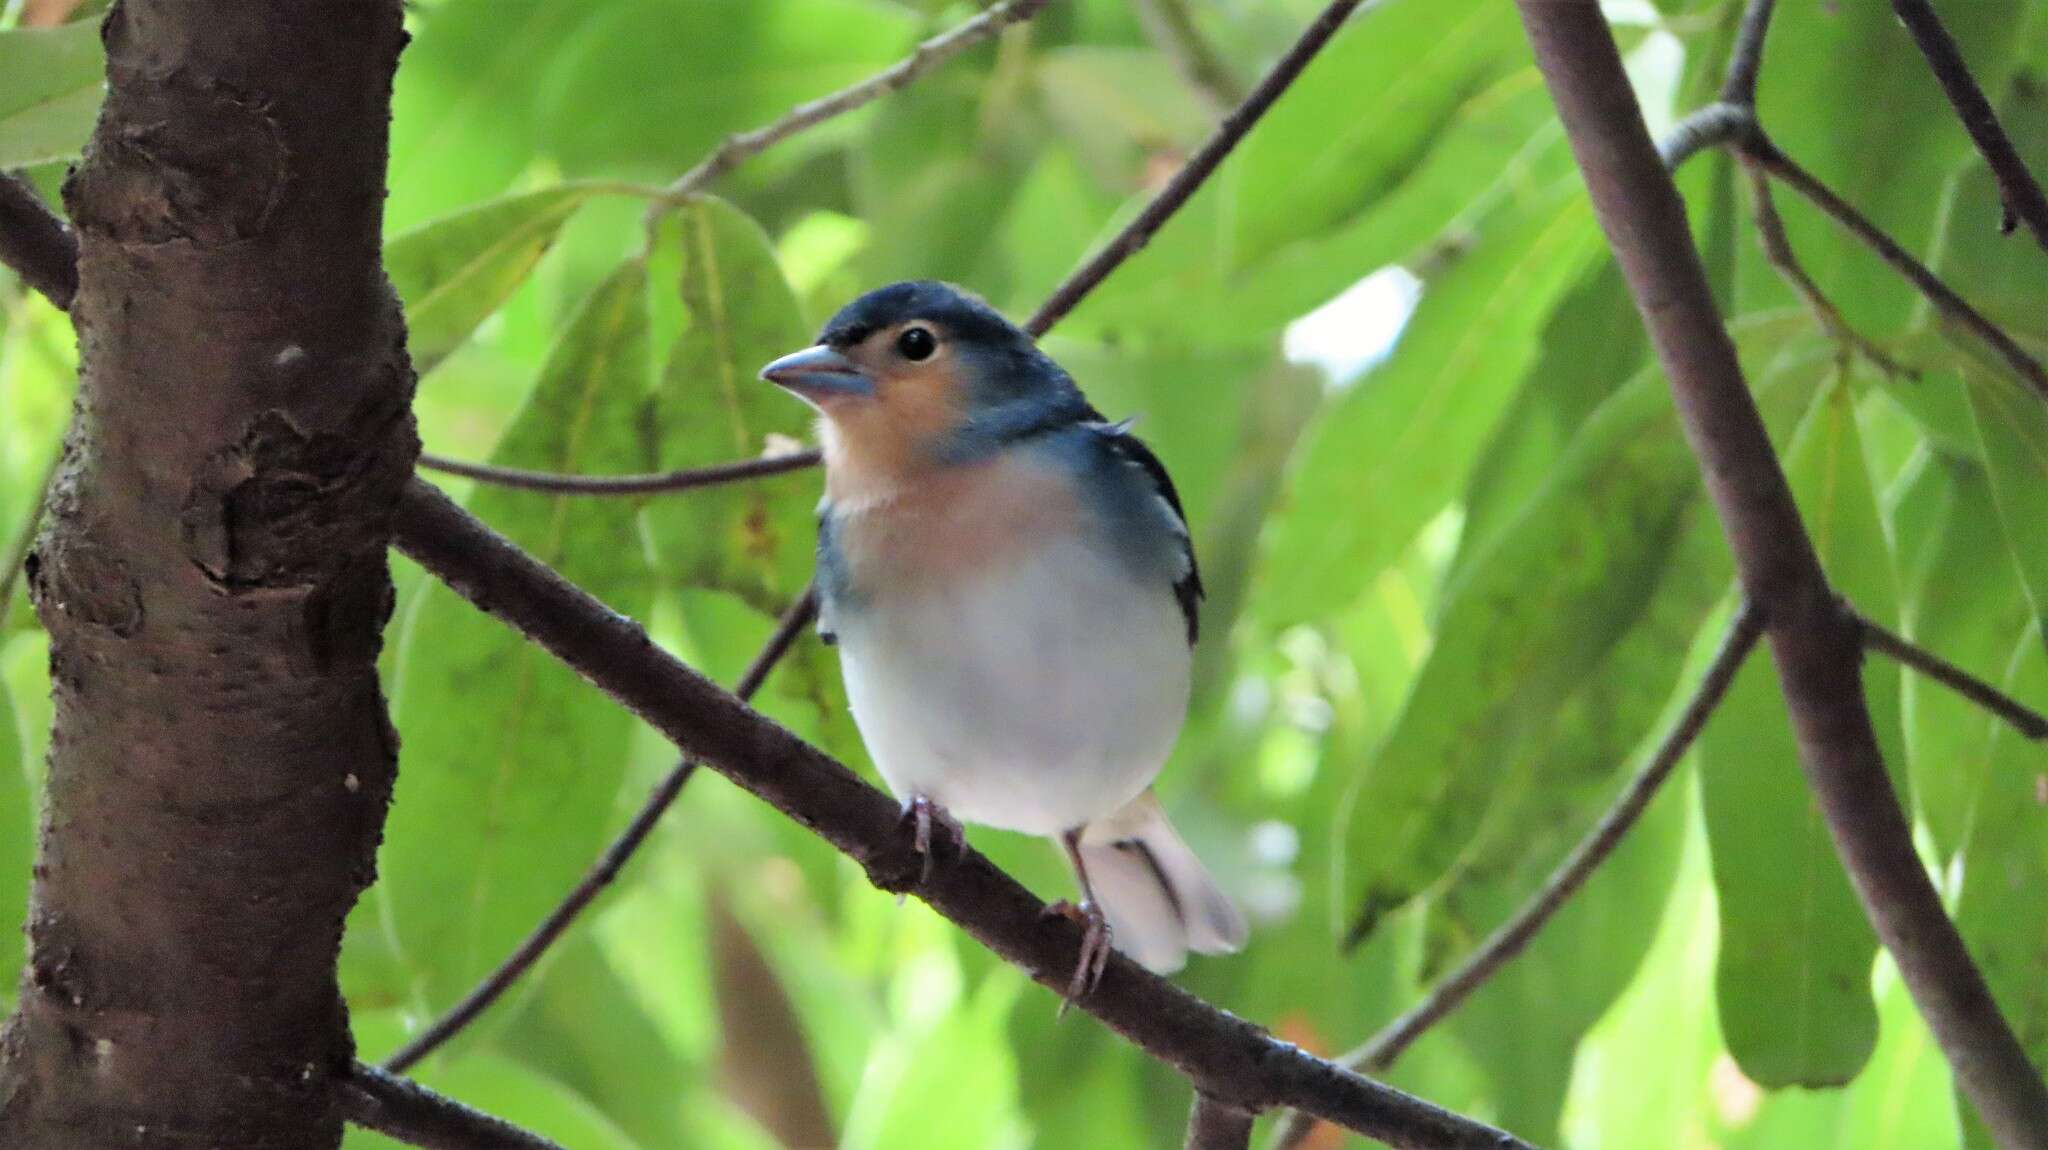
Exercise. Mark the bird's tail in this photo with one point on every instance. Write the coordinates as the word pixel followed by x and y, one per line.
pixel 1159 899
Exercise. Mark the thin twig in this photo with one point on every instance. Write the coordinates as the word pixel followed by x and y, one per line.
pixel 1381 1050
pixel 1214 1125
pixel 2023 718
pixel 400 1108
pixel 1172 29
pixel 1777 245
pixel 1192 174
pixel 1951 306
pixel 35 243
pixel 650 483
pixel 608 866
pixel 1709 127
pixel 1818 650
pixel 1746 59
pixel 1225 1056
pixel 930 54
pixel 2018 191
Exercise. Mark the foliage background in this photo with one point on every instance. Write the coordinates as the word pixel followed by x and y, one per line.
pixel 1454 586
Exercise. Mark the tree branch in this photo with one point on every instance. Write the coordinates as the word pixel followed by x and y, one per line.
pixel 1818 649
pixel 402 1109
pixel 1224 1056
pixel 1172 29
pixel 1191 176
pixel 1214 1125
pixel 608 865
pixel 1746 61
pixel 1508 940
pixel 2023 718
pixel 652 483
pixel 35 243
pixel 1770 230
pixel 927 56
pixel 2018 191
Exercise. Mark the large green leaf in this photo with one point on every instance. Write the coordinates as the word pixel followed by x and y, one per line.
pixel 51 85
pixel 1526 622
pixel 1394 450
pixel 752 539
pixel 1845 94
pixel 1362 116
pixel 2012 423
pixel 1794 974
pixel 464 123
pixel 698 71
pixel 2000 911
pixel 512 761
pixel 1963 600
pixel 454 272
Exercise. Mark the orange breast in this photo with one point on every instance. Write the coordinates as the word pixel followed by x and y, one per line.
pixel 956 523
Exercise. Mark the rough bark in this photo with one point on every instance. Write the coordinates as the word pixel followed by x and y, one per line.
pixel 214 582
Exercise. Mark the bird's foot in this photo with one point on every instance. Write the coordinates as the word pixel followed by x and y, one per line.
pixel 932 830
pixel 1095 946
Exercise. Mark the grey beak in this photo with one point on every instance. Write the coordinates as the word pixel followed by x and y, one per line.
pixel 818 373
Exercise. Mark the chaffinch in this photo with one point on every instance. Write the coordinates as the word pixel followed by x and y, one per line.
pixel 1013 592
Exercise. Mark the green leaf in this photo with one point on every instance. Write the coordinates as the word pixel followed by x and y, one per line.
pixel 455 272
pixel 2002 916
pixel 51 83
pixel 1397 447
pixel 1362 115
pixel 1964 600
pixel 1881 135
pixel 1526 621
pixel 464 122
pixel 1794 974
pixel 752 539
pixel 17 845
pixel 701 70
pixel 2012 423
pixel 512 761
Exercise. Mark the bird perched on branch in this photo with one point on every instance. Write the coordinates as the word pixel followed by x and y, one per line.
pixel 1012 588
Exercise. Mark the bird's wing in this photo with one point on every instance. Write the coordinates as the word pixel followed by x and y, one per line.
pixel 1132 451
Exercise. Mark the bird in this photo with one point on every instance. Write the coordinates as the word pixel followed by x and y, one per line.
pixel 1012 588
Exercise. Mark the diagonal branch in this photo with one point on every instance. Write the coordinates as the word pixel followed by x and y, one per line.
pixel 2017 188
pixel 35 243
pixel 2024 719
pixel 1224 1056
pixel 1817 648
pixel 930 54
pixel 402 1109
pixel 1746 60
pixel 608 865
pixel 651 483
pixel 1380 1052
pixel 1194 173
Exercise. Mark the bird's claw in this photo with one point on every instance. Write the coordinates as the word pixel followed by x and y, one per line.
pixel 921 817
pixel 1096 939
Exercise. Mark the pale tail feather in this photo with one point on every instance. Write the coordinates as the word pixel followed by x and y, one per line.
pixel 1159 899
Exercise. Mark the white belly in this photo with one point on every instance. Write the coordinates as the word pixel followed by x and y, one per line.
pixel 1035 697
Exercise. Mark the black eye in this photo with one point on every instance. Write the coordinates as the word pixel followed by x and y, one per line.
pixel 917 343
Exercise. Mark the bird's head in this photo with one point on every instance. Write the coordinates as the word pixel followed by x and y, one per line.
pixel 923 374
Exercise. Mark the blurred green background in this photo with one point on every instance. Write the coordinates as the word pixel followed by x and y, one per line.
pixel 1458 578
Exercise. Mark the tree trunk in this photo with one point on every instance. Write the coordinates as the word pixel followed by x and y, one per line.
pixel 214 583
